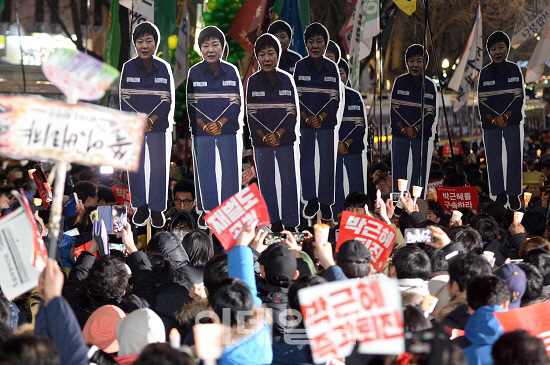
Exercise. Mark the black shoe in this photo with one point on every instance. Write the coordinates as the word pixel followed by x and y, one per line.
pixel 311 208
pixel 141 215
pixel 201 223
pixel 157 219
pixel 326 212
pixel 277 227
pixel 502 198
pixel 514 202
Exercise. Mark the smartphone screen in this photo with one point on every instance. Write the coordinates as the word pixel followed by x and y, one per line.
pixel 104 214
pixel 417 235
pixel 272 238
pixel 395 197
pixel 120 217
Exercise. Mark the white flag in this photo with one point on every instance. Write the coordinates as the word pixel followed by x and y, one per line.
pixel 181 66
pixel 534 16
pixel 470 64
pixel 540 55
pixel 366 24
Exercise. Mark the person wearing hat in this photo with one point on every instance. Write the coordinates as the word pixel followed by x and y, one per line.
pixel 272 109
pixel 501 111
pixel 354 259
pixel 100 328
pixel 288 57
pixel 352 142
pixel 318 82
pixel 409 136
pixel 515 277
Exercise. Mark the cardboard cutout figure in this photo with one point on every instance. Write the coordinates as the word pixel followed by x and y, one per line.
pixel 147 86
pixel 412 147
pixel 215 110
pixel 288 57
pixel 318 83
pixel 501 110
pixel 351 161
pixel 273 108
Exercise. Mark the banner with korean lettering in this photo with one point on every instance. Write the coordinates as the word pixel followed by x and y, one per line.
pixel 452 198
pixel 248 175
pixel 338 314
pixel 457 149
pixel 379 237
pixel 39 129
pixel 535 319
pixel 228 219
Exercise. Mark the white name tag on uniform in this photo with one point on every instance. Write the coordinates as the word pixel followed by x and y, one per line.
pixel 132 79
pixel 354 107
pixel 513 79
pixel 429 96
pixel 229 83
pixel 292 69
pixel 200 83
pixel 304 78
pixel 402 92
pixel 161 80
pixel 258 93
pixel 488 83
pixel 285 93
pixel 330 79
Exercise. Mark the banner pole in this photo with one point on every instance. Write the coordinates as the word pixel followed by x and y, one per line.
pixel 57 206
pixel 381 69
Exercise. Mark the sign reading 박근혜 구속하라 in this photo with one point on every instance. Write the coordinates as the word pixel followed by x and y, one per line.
pixel 43 129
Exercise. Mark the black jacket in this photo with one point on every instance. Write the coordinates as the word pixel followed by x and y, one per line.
pixel 170 298
pixel 143 293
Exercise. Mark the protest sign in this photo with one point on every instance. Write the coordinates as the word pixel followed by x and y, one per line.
pixel 339 314
pixel 535 319
pixel 122 196
pixel 227 220
pixel 78 75
pixel 452 198
pixel 40 129
pixel 44 189
pixel 248 175
pixel 23 254
pixel 457 149
pixel 379 237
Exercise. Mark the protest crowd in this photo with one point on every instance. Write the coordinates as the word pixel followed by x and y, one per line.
pixel 188 288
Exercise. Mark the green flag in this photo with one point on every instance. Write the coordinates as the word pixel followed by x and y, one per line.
pixel 112 42
pixel 165 20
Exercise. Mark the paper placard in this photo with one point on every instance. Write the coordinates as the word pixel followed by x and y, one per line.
pixel 378 236
pixel 227 220
pixel 40 129
pixel 457 149
pixel 339 314
pixel 248 175
pixel 453 198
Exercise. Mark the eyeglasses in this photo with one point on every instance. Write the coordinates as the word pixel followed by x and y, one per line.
pixel 184 201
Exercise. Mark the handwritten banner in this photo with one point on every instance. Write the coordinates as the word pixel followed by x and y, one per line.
pixel 227 220
pixel 379 237
pixel 339 314
pixel 452 198
pixel 39 129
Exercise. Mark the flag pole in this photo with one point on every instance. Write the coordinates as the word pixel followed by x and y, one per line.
pixel 381 68
pixel 424 62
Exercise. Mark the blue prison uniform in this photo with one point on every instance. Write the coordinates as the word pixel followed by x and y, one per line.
pixel 288 60
pixel 271 108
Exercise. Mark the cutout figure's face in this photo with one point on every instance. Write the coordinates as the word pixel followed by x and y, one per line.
pixel 316 46
pixel 283 39
pixel 415 64
pixel 267 58
pixel 331 56
pixel 498 52
pixel 145 46
pixel 211 50
pixel 343 75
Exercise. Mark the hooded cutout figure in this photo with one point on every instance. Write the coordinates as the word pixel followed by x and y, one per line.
pixel 147 86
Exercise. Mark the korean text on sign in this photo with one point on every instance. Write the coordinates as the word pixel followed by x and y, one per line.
pixel 339 314
pixel 228 219
pixel 452 198
pixel 378 236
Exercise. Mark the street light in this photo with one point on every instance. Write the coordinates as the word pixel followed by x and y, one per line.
pixel 445 63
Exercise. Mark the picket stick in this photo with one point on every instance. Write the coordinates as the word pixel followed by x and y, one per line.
pixel 57 207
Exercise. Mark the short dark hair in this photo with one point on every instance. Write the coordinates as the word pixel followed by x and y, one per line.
pixel 163 354
pixel 108 279
pixel 519 348
pixel 486 226
pixel 29 349
pixel 414 319
pixel 316 29
pixel 163 270
pixel 411 262
pixel 487 290
pixel 199 247
pixel 215 271
pixel 211 32
pixel 264 41
pixel 302 282
pixel 436 208
pixel 232 294
pixel 465 266
pixel 437 259
pixel 85 190
pixel 535 281
pixel 540 258
pixel 470 239
pixel 496 37
pixel 354 270
pixel 280 25
pixel 105 193
pixel 184 186
pixel 145 28
pixel 344 65
pixel 333 47
pixel 357 199
pixel 415 50
pixel 534 223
